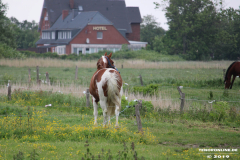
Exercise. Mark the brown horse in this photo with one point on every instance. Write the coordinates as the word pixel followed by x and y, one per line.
pixel 233 69
pixel 106 88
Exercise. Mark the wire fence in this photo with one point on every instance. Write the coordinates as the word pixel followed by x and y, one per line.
pixel 70 87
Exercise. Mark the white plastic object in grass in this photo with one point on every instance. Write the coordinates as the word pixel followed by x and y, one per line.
pixel 48 105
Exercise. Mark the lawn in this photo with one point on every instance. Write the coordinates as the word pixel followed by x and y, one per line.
pixel 29 129
pixel 55 134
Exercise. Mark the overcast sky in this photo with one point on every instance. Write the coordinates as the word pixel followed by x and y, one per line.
pixel 31 9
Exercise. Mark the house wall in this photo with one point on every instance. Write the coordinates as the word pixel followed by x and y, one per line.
pixel 135 35
pixel 44 21
pixel 110 36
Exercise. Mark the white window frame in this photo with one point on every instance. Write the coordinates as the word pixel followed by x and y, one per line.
pixel 99 49
pixel 92 50
pixel 46 35
pixel 53 35
pixel 69 35
pixel 60 50
pixel 64 35
pixel 80 8
pixel 60 35
pixel 99 35
pixel 87 52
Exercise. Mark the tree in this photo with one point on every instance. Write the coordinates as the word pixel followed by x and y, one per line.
pixel 26 33
pixel 201 29
pixel 158 45
pixel 191 28
pixel 6 28
pixel 149 29
pixel 227 44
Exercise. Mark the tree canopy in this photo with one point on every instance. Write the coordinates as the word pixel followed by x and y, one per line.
pixel 17 34
pixel 201 29
pixel 150 29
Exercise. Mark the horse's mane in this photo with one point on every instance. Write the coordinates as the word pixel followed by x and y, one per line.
pixel 228 70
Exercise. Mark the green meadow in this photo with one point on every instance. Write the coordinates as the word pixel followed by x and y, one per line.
pixel 65 130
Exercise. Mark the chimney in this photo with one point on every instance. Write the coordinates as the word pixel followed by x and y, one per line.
pixel 71 4
pixel 64 14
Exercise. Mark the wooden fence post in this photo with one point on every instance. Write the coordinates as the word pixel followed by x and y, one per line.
pixel 122 65
pixel 139 123
pixel 37 74
pixel 182 99
pixel 224 73
pixel 39 82
pixel 20 118
pixel 47 78
pixel 76 73
pixel 87 98
pixel 9 90
pixel 140 77
pixel 29 75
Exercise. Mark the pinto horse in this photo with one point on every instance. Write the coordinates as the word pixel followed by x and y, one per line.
pixel 233 69
pixel 106 87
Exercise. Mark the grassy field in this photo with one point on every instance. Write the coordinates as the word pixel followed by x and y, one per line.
pixel 61 134
pixel 61 131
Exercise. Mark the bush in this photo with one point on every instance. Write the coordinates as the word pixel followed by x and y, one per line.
pixel 220 111
pixel 31 54
pixel 151 89
pixel 8 52
pixel 129 107
pixel 148 55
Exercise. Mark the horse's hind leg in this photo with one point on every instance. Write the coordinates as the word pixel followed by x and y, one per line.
pixel 104 109
pixel 109 123
pixel 95 111
pixel 117 115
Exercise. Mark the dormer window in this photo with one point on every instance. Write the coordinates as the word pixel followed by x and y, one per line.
pixel 53 35
pixel 46 17
pixel 80 8
pixel 45 35
pixel 64 35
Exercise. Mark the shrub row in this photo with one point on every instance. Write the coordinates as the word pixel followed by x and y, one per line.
pixel 128 54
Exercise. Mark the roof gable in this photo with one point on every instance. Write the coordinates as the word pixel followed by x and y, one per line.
pixel 114 10
pixel 78 20
pixel 100 20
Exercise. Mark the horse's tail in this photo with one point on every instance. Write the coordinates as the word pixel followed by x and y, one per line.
pixel 114 89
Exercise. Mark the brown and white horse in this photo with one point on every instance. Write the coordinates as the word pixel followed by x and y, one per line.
pixel 233 69
pixel 106 87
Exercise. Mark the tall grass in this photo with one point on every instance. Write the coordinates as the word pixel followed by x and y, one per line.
pixel 73 89
pixel 138 64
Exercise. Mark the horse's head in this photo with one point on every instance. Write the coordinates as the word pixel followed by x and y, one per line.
pixel 105 62
pixel 227 83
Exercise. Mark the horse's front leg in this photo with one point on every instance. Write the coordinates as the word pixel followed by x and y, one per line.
pixel 95 111
pixel 232 81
